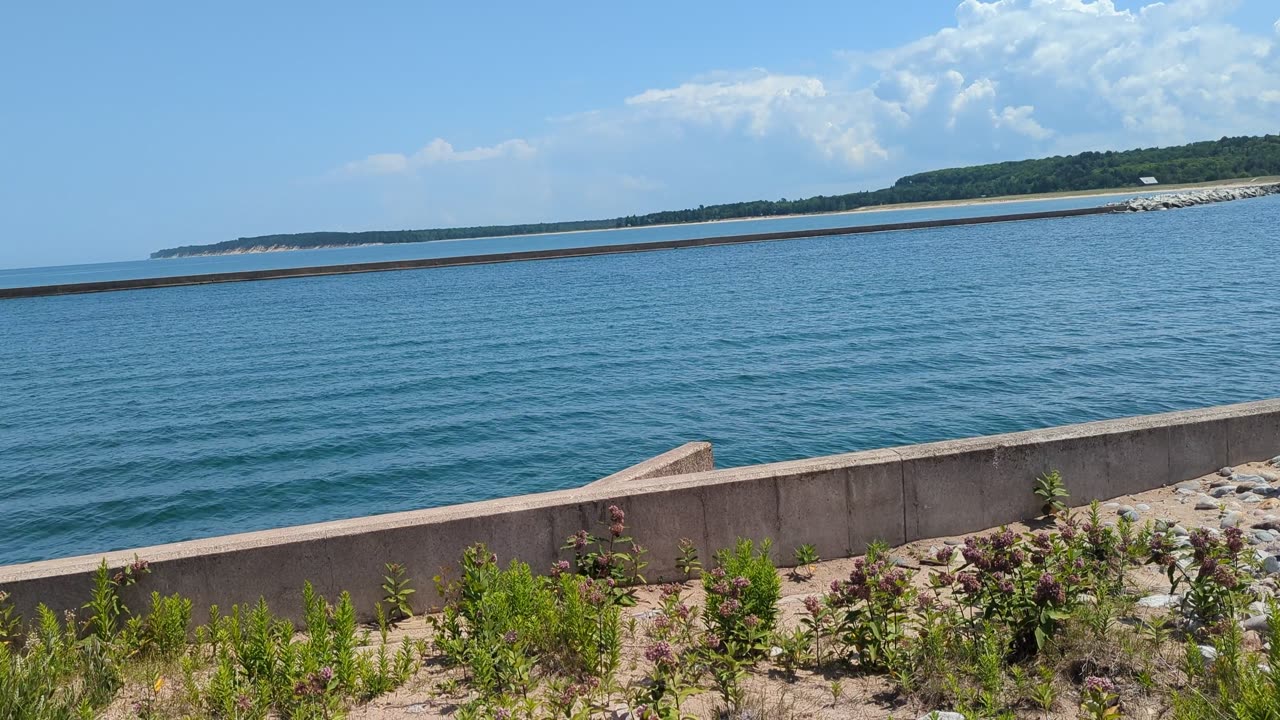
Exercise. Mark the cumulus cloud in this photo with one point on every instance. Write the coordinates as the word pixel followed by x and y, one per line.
pixel 758 99
pixel 436 152
pixel 1025 76
pixel 1020 121
pixel 1008 79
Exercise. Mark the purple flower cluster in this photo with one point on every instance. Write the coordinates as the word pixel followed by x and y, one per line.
pixel 729 607
pixel 969 582
pixel 570 694
pixel 1068 529
pixel 866 578
pixel 593 592
pixel 729 592
pixel 617 521
pixel 994 553
pixel 1234 540
pixel 316 684
pixel 660 654
pixel 1049 591
pixel 813 605
pixel 1097 684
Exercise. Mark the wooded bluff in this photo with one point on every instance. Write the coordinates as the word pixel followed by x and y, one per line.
pixel 1228 158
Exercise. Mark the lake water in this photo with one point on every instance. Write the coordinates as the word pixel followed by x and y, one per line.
pixel 143 417
pixel 29 277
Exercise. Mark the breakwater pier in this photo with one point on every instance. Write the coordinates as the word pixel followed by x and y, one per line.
pixel 546 254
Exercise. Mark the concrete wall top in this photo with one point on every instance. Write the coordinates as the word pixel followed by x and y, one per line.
pixel 688 458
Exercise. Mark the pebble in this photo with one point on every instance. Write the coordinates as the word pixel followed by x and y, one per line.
pixel 1222 491
pixel 941 715
pixel 1231 519
pixel 1257 623
pixel 1159 601
pixel 1271 565
pixel 1142 507
pixel 1204 502
pixel 1249 479
pixel 1186 491
pixel 1263 536
pixel 1111 505
pixel 1179 531
pixel 1208 652
pixel 952 542
pixel 1226 471
pixel 1251 499
pixel 1274 461
pixel 1128 513
pixel 1188 485
pixel 1268 476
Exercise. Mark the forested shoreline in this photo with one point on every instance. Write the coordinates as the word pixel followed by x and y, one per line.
pixel 1227 158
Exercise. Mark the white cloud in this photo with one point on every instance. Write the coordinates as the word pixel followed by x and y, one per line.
pixel 436 152
pixel 1163 74
pixel 1020 121
pixel 757 98
pixel 982 90
pixel 1009 79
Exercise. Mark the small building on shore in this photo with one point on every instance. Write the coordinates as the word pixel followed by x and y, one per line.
pixel 1148 181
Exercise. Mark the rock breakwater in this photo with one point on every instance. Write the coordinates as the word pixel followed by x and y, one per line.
pixel 1189 198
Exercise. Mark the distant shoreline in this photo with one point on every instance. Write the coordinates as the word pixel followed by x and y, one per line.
pixel 929 205
pixel 527 255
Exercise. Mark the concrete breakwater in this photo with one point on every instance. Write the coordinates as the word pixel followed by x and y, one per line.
pixel 559 253
pixel 1191 198
pixel 839 503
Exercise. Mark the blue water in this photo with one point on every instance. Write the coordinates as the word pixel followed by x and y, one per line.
pixel 30 277
pixel 143 417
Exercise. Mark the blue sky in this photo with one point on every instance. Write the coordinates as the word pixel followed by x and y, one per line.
pixel 126 128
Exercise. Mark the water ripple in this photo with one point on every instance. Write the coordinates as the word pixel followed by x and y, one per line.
pixel 146 417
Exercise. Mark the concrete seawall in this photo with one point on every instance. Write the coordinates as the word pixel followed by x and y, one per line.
pixel 840 503
pixel 691 457
pixel 281 273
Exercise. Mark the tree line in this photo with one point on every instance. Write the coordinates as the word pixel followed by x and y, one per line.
pixel 1229 157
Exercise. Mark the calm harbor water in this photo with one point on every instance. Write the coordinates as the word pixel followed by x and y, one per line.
pixel 143 417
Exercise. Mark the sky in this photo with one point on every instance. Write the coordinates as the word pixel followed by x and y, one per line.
pixel 127 127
